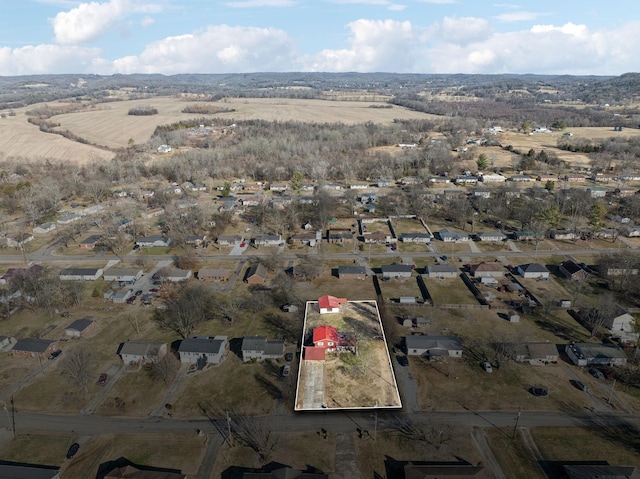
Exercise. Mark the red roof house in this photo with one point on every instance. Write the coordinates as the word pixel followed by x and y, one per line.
pixel 330 304
pixel 326 337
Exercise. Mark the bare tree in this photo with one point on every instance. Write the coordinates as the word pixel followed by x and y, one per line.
pixel 162 369
pixel 255 433
pixel 76 367
pixel 188 307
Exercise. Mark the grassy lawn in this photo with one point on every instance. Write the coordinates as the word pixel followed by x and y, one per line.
pixel 392 449
pixel 512 454
pixel 407 225
pixel 613 445
pixel 449 291
pixel 297 449
pixel 397 287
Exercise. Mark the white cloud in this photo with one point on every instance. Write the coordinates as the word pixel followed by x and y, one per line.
pixel 461 30
pixel 88 21
pixel 146 21
pixel 375 45
pixel 439 2
pixel 382 3
pixel 43 59
pixel 261 3
pixel 218 49
pixel 518 16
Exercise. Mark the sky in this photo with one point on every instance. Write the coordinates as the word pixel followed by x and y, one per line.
pixel 106 37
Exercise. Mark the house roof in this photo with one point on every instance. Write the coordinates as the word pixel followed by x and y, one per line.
pixel 536 350
pixel 80 324
pixel 571 267
pixel 533 268
pixel 33 345
pixel 79 271
pixel 140 348
pixel 600 471
pixel 91 239
pixel 202 345
pixel 325 333
pixel 213 273
pixel 274 346
pixel 595 350
pixel 253 343
pixel 415 235
pixel 450 343
pixel 258 270
pixel 396 268
pixel 442 268
pixel 437 471
pixel 330 302
pixel 15 470
pixel 488 267
pixel 351 270
pixel 122 272
pixel 491 234
pixel 131 472
pixel 284 473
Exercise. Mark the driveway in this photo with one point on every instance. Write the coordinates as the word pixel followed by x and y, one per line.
pixel 114 374
pixel 408 386
pixel 313 385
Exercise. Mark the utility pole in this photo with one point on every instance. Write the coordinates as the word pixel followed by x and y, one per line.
pixel 229 430
pixel 10 415
pixel 515 426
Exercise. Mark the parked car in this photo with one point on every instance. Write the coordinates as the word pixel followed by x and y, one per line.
pixel 286 369
pixel 486 365
pixel 154 290
pixel 402 360
pixel 54 355
pixel 131 300
pixel 288 357
pixel 539 391
pixel 102 379
pixel 608 373
pixel 596 373
pixel 73 449
pixel 579 385
pixel 139 292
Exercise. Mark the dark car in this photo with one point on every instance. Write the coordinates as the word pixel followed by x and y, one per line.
pixel 54 355
pixel 154 290
pixel 596 373
pixel 102 379
pixel 139 292
pixel 539 391
pixel 288 357
pixel 608 373
pixel 73 449
pixel 402 360
pixel 131 300
pixel 579 385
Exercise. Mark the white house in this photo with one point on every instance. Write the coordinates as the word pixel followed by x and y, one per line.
pixel 533 270
pixel 330 304
pixel 123 275
pixel 44 228
pixel 141 352
pixel 493 178
pixel 203 351
pixel 153 240
pixel 80 274
pixel 432 346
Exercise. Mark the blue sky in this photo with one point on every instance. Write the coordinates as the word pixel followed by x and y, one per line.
pixel 237 36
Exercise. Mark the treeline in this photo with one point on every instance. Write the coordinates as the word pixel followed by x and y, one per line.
pixel 143 111
pixel 206 109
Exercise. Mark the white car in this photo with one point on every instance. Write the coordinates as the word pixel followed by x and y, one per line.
pixel 486 365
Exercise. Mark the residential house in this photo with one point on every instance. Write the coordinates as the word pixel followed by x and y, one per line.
pixel 597 191
pixel 93 210
pixel 44 228
pixel 563 234
pixel 466 180
pixel 284 473
pixel 352 272
pixel 256 274
pixel 230 240
pixel 5 341
pixel 279 187
pixel 80 274
pixel 21 470
pixel 261 348
pixel 90 242
pixel 492 178
pixel 600 471
pixel 336 236
pixel 141 352
pixel 533 270
pixel 326 337
pixel 123 275
pixel 520 178
pixel 494 236
pixel 431 346
pixel 132 472
pixel 630 231
pixel 251 200
pixel 524 235
pixel 487 270
pixel 196 240
pixel 19 240
pixel 449 236
pixel 410 180
pixel 219 275
pixel 330 304
pixel 441 271
pixel 267 240
pixel 481 193
pixel 415 238
pixel 152 213
pixel 588 354
pixel 384 183
pixel 177 275
pixel 164 149
pixel 396 271
pixel 307 238
pixel 573 271
pixel 34 347
pixel 33 270
pixel 359 186
pixel 547 177
pixel 377 237
pixel 439 180
pixel 80 327
pixel 622 326
pixel 68 217
pixel 625 192
pixel 605 233
pixel 203 351
pixel 536 354
pixel 153 241
pixel 122 296
pixel 444 471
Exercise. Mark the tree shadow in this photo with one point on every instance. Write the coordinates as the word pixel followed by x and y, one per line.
pixel 106 467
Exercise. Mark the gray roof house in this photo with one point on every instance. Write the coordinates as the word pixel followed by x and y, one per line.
pixel 491 236
pixel 123 275
pixel 203 351
pixel 79 327
pixel 153 240
pixel 533 270
pixel 537 354
pixel 138 351
pixel 429 346
pixel 396 271
pixel 352 272
pixel 20 470
pixel 260 348
pixel 415 238
pixel 80 274
pixel 267 240
pixel 34 347
pixel 449 236
pixel 441 271
pixel 587 354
